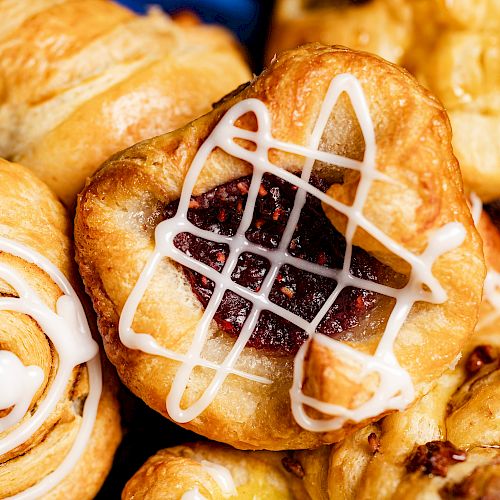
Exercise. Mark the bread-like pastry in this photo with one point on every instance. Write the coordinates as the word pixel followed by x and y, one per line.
pixel 464 72
pixel 43 334
pixel 452 47
pixel 407 196
pixel 215 471
pixel 383 27
pixel 82 80
pixel 445 446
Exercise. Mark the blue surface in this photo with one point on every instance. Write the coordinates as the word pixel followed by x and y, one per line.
pixel 241 16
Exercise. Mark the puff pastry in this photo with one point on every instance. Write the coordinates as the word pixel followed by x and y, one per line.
pixel 446 445
pixel 452 47
pixel 214 471
pixel 82 80
pixel 238 378
pixel 57 438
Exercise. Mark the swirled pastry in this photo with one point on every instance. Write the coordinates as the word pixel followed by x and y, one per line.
pixel 312 224
pixel 452 47
pixel 208 470
pixel 59 423
pixel 82 80
pixel 445 446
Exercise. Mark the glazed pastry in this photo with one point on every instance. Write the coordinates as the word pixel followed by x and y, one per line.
pixel 301 296
pixel 452 47
pixel 82 80
pixel 448 444
pixel 210 471
pixel 59 424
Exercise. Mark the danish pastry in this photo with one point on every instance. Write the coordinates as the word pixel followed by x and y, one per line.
pixel 447 445
pixel 313 222
pixel 209 470
pixel 59 423
pixel 82 80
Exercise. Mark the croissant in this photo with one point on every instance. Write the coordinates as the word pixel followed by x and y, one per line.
pixel 82 80
pixel 59 421
pixel 227 300
pixel 214 471
pixel 452 47
pixel 447 445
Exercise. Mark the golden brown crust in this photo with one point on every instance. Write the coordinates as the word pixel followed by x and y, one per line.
pixel 119 209
pixel 174 471
pixel 82 80
pixel 463 408
pixel 31 214
pixel 379 26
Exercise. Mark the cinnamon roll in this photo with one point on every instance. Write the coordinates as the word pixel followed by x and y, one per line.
pixel 312 226
pixel 82 80
pixel 209 470
pixel 59 420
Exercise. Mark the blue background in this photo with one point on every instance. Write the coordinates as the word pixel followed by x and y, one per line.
pixel 248 19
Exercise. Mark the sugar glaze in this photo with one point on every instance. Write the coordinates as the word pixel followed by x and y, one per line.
pixel 68 331
pixel 491 291
pixel 395 389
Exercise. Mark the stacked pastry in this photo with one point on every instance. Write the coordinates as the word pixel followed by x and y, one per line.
pixel 278 285
pixel 296 274
pixel 79 80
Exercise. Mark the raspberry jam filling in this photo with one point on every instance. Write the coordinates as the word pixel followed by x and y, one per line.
pixel 315 239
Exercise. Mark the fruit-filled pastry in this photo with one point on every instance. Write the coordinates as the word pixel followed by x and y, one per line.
pixel 447 446
pixel 208 470
pixel 82 80
pixel 311 228
pixel 59 421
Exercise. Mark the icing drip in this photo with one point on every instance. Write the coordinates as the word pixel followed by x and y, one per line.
pixel 491 291
pixel 395 389
pixel 68 331
pixel 193 494
pixel 476 207
pixel 222 476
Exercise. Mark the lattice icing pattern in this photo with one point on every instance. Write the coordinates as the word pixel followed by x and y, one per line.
pixel 395 390
pixel 68 331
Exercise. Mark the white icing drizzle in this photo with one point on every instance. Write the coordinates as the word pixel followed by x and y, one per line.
pixel 193 494
pixel 491 291
pixel 492 295
pixel 68 331
pixel 395 390
pixel 222 476
pixel 476 208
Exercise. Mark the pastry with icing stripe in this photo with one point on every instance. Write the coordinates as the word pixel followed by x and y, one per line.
pixel 208 470
pixel 447 445
pixel 312 226
pixel 59 419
